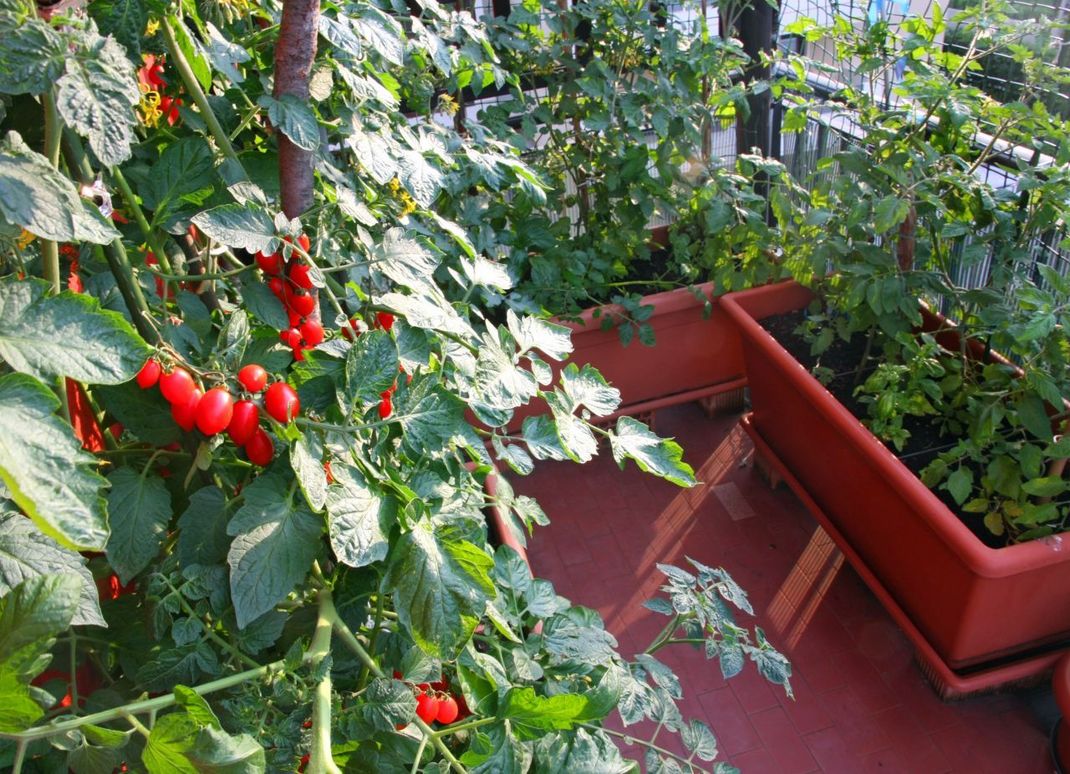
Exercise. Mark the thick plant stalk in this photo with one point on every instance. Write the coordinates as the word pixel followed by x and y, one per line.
pixel 320 759
pixel 294 54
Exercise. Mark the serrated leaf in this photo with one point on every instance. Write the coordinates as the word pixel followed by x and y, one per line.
pixel 587 388
pixel 532 716
pixel 419 177
pixel 960 484
pixel 38 198
pixel 358 517
pixel 573 434
pixel 1046 486
pixel 125 20
pixel 431 418
pixel 661 456
pixel 540 435
pixel 374 154
pixel 185 167
pixel 532 333
pixel 31 615
pixel 371 368
pixel 32 56
pixel 495 750
pixel 26 552
pixel 216 752
pixel 196 707
pixel 139 510
pixel 430 310
pixel 276 541
pixel 501 383
pixel 246 226
pixel 144 413
pixel 382 38
pixel 404 260
pixel 566 640
pixel 339 32
pixel 18 710
pixel 387 703
pixel 1034 417
pixel 440 589
pixel 170 741
pixel 699 739
pixel 581 752
pixel 264 306
pixel 294 117
pixel 224 55
pixel 306 459
pixel 66 335
pixel 96 97
pixel 48 474
pixel 185 664
pixel 662 675
pixel 191 50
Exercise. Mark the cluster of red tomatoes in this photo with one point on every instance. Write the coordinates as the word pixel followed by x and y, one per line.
pixel 291 282
pixel 435 703
pixel 216 410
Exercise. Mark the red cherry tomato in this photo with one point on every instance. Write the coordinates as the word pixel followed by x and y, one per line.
pixel 447 710
pixel 304 243
pixel 312 333
pixel 302 303
pixel 386 408
pixel 277 285
pixel 185 412
pixel 269 264
pixel 253 377
pixel 300 275
pixel 426 707
pixel 148 375
pixel 386 320
pixel 177 385
pixel 259 449
pixel 293 338
pixel 243 422
pixel 295 319
pixel 281 402
pixel 214 411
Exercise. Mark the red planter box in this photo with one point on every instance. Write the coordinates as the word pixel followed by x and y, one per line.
pixel 971 603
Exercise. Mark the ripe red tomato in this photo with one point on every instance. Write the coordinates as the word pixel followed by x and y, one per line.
pixel 269 264
pixel 426 707
pixel 277 285
pixel 302 303
pixel 185 412
pixel 253 377
pixel 148 375
pixel 312 333
pixel 447 710
pixel 259 449
pixel 304 243
pixel 386 320
pixel 386 408
pixel 292 338
pixel 214 411
pixel 244 422
pixel 300 275
pixel 281 402
pixel 177 385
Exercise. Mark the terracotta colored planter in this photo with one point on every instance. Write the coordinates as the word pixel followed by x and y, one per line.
pixel 971 603
pixel 694 356
pixel 1060 734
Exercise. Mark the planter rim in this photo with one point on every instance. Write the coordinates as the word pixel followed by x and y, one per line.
pixel 664 302
pixel 986 561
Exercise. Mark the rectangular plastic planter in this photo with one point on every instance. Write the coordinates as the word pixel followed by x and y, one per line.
pixel 974 605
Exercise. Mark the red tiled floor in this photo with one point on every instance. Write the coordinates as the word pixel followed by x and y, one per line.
pixel 861 703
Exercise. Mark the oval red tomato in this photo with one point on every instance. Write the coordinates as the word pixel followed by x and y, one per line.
pixel 281 402
pixel 148 375
pixel 177 385
pixel 312 333
pixel 300 275
pixel 386 320
pixel 302 303
pixel 426 707
pixel 259 449
pixel 184 412
pixel 214 411
pixel 269 264
pixel 253 377
pixel 244 422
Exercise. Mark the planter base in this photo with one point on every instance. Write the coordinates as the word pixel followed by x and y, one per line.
pixel 948 683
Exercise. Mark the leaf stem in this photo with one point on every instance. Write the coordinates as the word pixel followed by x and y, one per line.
pixel 189 80
pixel 142 222
pixel 642 742
pixel 53 133
pixel 137 724
pixel 664 635
pixel 464 726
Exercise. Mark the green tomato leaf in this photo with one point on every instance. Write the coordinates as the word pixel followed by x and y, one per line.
pixel 532 716
pixel 295 118
pixel 246 226
pixel 588 388
pixel 26 552
pixel 432 418
pixel 960 484
pixel 32 56
pixel 202 528
pixel 169 743
pixel 419 177
pixel 196 707
pixel 185 169
pixel 440 589
pixel 216 752
pixel 264 306
pixel 49 476
pixel 144 413
pixel 38 198
pixel 1034 417
pixel 581 752
pixel 66 335
pixel 540 434
pixel 306 459
pixel 661 456
pixel 97 94
pixel 387 703
pixel 191 50
pixel 371 368
pixel 532 333
pixel 124 20
pixel 381 33
pixel 277 539
pixel 496 750
pixel 139 509
pixel 358 517
pixel 18 710
pixel 31 615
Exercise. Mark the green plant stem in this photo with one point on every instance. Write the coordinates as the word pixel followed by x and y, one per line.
pixel 139 216
pixel 380 600
pixel 468 726
pixel 137 724
pixel 633 740
pixel 189 80
pixel 53 134
pixel 20 757
pixel 320 759
pixel 199 277
pixel 365 658
pixel 189 611
pixel 664 635
pixel 138 707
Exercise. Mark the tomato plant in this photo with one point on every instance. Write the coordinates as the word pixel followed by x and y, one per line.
pixel 274 575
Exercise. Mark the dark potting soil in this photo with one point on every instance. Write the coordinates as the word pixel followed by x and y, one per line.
pixel 842 359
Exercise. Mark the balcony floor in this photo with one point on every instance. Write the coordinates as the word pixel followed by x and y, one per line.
pixel 861 703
